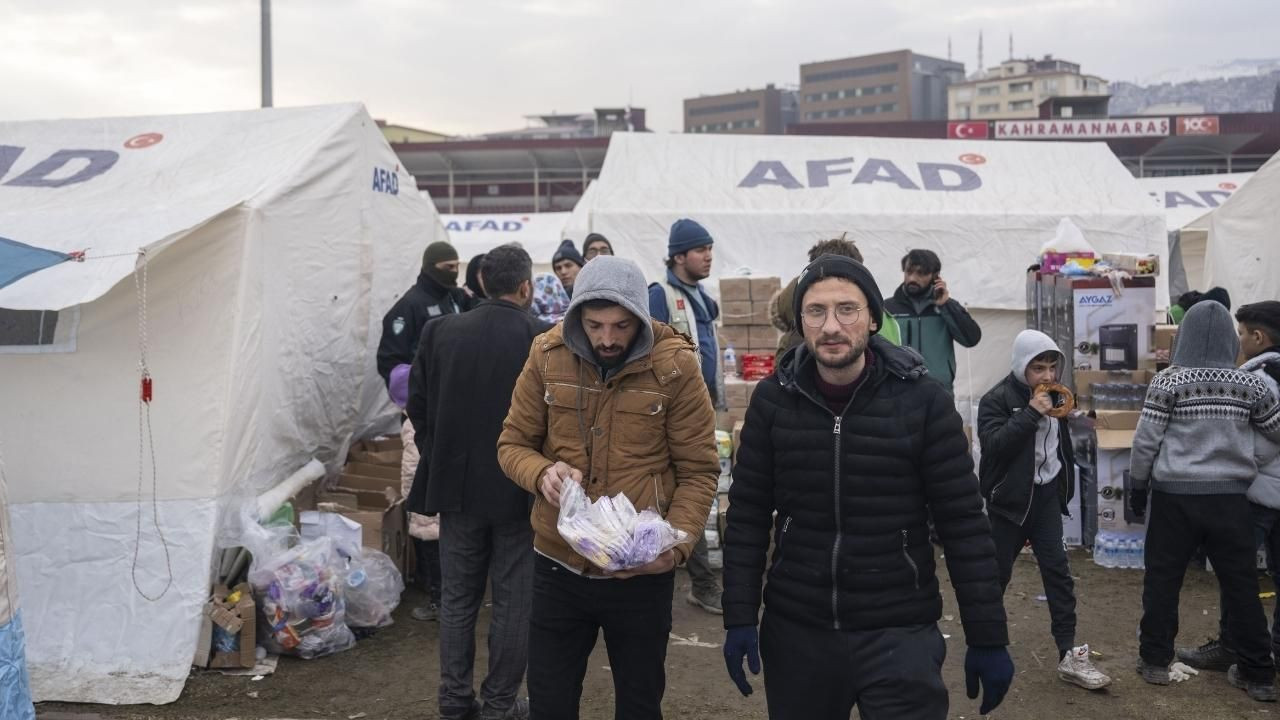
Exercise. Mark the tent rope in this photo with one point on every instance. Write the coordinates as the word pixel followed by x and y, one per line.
pixel 144 422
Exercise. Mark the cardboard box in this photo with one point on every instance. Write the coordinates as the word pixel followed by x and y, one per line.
pixel 314 524
pixel 392 442
pixel 380 529
pixel 1113 453
pixel 389 472
pixel 737 393
pixel 764 288
pixel 736 312
pixel 725 419
pixel 1162 337
pixel 1117 420
pixel 761 312
pixel 1133 263
pixel 390 458
pixel 237 618
pixel 735 288
pixel 737 337
pixel 764 338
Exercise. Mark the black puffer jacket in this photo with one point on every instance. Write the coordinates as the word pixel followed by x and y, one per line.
pixel 852 496
pixel 1007 432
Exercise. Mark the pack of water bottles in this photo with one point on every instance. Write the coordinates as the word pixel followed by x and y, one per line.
pixel 1119 550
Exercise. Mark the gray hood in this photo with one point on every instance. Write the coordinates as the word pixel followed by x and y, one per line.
pixel 617 280
pixel 1026 347
pixel 1206 338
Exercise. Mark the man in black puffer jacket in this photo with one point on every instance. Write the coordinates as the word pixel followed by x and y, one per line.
pixel 853 447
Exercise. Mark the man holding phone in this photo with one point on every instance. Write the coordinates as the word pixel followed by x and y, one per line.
pixel 929 320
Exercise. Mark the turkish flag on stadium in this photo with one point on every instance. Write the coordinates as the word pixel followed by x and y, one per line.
pixel 967 130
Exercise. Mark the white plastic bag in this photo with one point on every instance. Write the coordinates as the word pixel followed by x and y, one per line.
pixel 372 586
pixel 610 533
pixel 299 589
pixel 1067 238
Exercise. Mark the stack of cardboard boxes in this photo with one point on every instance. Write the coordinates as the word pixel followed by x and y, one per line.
pixel 746 327
pixel 1116 398
pixel 367 493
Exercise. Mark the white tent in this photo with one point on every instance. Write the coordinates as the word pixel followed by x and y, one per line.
pixel 1187 201
pixel 578 226
pixel 274 242
pixel 984 206
pixel 1243 252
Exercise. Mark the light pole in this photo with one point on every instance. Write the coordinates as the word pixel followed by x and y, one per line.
pixel 266 53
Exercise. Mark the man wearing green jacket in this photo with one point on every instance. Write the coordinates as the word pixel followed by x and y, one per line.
pixel 929 321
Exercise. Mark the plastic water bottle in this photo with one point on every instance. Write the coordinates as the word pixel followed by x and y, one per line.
pixel 730 362
pixel 1101 549
pixel 1142 553
pixel 1130 553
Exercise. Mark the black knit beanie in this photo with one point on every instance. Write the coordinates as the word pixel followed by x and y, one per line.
pixel 828 266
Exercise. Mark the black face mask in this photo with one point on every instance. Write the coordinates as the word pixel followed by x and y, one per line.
pixel 447 278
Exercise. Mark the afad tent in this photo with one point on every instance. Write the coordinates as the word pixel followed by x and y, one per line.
pixel 984 207
pixel 538 233
pixel 1187 201
pixel 1243 251
pixel 274 242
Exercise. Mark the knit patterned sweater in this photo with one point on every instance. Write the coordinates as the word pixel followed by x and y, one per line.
pixel 1196 433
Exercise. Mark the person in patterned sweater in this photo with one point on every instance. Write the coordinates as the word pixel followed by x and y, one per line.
pixel 1194 451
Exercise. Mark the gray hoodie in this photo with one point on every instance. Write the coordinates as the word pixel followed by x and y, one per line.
pixel 1026 347
pixel 1265 489
pixel 1196 433
pixel 617 280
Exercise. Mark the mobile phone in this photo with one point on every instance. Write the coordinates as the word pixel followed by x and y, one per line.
pixel 937 290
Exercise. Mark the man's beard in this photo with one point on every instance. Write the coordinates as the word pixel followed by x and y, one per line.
pixel 856 348
pixel 915 290
pixel 610 363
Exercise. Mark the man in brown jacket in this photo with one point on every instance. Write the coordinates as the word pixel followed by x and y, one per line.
pixel 615 401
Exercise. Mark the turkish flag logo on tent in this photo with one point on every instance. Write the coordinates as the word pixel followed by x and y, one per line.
pixel 967 130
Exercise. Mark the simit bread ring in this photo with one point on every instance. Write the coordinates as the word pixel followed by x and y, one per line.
pixel 1068 401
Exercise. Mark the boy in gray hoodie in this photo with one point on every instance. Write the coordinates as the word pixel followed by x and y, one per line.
pixel 1259 329
pixel 1027 475
pixel 1194 449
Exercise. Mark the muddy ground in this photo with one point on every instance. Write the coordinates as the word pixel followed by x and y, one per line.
pixel 393 675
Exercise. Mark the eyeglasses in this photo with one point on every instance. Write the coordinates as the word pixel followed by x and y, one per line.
pixel 815 316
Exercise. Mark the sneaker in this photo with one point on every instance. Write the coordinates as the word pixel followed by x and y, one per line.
pixel 1076 667
pixel 1154 674
pixel 1209 656
pixel 426 613
pixel 709 601
pixel 1260 691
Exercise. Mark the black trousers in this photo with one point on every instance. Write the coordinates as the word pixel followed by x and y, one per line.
pixel 1043 527
pixel 427 553
pixel 1266 530
pixel 1176 525
pixel 569 611
pixel 821 674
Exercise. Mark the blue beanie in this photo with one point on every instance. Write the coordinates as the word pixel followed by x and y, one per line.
pixel 685 236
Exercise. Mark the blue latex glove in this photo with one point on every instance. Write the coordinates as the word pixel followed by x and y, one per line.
pixel 990 665
pixel 398 385
pixel 739 643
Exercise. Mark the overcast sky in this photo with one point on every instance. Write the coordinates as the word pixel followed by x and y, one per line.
pixel 481 65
